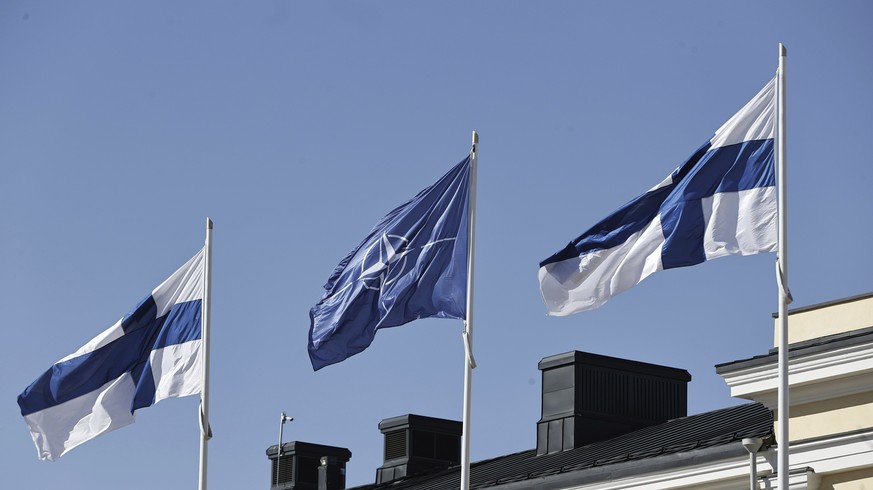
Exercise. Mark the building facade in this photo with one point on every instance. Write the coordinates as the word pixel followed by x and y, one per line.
pixel 830 375
pixel 612 423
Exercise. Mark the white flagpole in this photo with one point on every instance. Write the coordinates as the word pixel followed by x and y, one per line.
pixel 205 430
pixel 469 362
pixel 782 275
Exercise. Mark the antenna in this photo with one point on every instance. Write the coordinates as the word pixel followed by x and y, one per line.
pixel 282 419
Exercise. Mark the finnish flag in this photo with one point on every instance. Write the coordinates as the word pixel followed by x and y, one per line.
pixel 152 353
pixel 722 201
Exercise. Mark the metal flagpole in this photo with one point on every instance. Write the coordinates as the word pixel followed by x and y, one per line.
pixel 469 362
pixel 782 275
pixel 205 430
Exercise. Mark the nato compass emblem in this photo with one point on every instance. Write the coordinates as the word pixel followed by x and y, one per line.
pixel 384 261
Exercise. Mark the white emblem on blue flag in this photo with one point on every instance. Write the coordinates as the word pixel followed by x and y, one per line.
pixel 722 201
pixel 384 261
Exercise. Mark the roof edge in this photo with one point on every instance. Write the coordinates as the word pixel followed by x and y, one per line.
pixel 627 469
pixel 826 304
pixel 800 349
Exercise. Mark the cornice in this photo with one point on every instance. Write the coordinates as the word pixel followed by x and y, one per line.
pixel 817 376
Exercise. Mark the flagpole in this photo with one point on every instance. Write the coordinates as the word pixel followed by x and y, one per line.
pixel 205 430
pixel 469 362
pixel 782 275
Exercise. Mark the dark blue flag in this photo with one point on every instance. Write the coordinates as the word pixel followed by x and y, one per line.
pixel 412 265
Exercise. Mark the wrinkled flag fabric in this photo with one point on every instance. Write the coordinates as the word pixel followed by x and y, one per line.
pixel 722 201
pixel 412 265
pixel 152 353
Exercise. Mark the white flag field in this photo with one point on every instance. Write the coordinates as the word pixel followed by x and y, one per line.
pixel 152 353
pixel 721 201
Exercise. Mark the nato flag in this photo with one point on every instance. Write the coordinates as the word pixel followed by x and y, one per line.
pixel 412 265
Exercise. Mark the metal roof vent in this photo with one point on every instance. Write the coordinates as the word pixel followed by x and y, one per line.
pixel 589 398
pixel 415 444
pixel 395 444
pixel 307 466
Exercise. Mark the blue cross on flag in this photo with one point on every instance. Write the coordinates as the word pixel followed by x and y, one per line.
pixel 151 354
pixel 721 201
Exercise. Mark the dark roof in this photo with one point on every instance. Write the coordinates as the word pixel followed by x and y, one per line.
pixel 826 304
pixel 800 349
pixel 683 440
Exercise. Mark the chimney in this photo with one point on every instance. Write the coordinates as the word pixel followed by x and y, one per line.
pixel 332 473
pixel 307 466
pixel 589 397
pixel 415 444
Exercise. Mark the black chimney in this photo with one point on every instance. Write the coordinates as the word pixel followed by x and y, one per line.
pixel 589 397
pixel 307 466
pixel 332 473
pixel 415 444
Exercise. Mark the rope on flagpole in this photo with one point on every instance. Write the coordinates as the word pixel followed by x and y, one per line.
pixel 783 287
pixel 205 428
pixel 468 350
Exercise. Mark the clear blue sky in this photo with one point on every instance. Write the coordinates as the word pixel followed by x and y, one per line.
pixel 296 125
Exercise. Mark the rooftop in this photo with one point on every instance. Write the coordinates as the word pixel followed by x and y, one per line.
pixel 682 441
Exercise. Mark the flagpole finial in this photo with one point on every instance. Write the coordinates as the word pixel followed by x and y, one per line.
pixel 475 138
pixel 208 223
pixel 782 50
